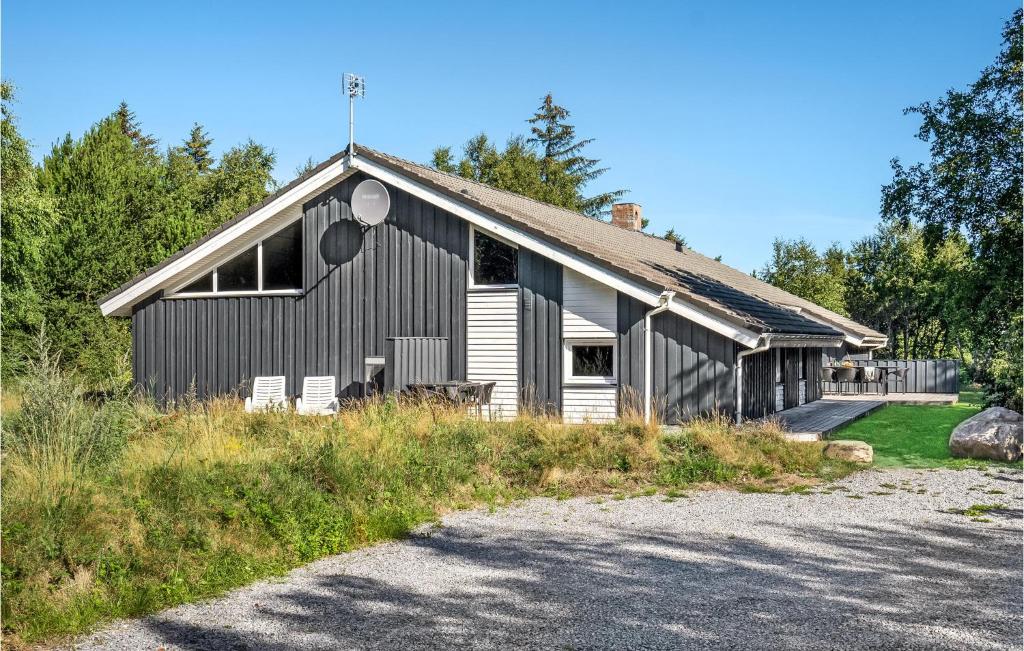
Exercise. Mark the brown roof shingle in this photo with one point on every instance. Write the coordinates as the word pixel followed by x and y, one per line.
pixel 647 259
pixel 655 261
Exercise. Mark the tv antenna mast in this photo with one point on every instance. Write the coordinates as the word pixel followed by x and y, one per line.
pixel 354 86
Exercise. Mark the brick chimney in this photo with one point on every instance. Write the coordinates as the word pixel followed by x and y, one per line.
pixel 628 216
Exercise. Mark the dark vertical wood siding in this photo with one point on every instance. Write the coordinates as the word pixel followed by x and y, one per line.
pixel 403 278
pixel 758 384
pixel 631 353
pixel 412 360
pixel 692 366
pixel 812 373
pixel 791 366
pixel 540 333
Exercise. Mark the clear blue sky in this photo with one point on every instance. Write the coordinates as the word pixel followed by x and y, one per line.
pixel 733 123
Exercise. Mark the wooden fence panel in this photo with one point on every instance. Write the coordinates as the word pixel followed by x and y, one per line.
pixel 923 375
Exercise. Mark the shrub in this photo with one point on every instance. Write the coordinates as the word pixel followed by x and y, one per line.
pixel 155 509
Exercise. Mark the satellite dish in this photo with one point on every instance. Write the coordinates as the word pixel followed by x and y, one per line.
pixel 370 203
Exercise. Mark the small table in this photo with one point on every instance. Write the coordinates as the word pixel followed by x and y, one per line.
pixel 456 391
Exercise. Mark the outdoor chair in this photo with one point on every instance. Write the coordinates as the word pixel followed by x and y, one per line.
pixel 871 374
pixel 318 397
pixel 847 376
pixel 828 376
pixel 898 375
pixel 482 396
pixel 267 394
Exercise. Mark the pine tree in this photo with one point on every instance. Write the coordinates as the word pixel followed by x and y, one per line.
pixel 28 216
pixel 109 189
pixel 671 236
pixel 131 127
pixel 564 168
pixel 198 148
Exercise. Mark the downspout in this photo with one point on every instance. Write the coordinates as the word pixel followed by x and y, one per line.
pixel 663 304
pixel 763 344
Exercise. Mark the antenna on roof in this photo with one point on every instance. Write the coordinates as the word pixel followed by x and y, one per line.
pixel 354 86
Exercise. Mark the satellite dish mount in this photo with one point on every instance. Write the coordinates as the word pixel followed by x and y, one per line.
pixel 370 203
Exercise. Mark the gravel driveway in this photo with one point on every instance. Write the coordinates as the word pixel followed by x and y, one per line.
pixel 874 561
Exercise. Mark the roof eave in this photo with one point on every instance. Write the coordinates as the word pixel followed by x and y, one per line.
pixel 120 301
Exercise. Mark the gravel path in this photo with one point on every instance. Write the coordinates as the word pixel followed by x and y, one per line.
pixel 717 569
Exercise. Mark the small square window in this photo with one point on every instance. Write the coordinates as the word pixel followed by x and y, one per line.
pixel 494 262
pixel 591 360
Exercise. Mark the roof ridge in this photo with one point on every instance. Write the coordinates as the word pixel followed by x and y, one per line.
pixel 523 196
pixel 489 187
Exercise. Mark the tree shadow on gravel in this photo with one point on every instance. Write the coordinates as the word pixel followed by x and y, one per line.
pixel 849 588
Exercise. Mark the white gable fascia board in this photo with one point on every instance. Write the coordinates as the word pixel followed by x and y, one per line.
pixel 121 303
pixel 486 222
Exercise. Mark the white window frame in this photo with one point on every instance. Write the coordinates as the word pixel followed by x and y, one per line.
pixel 472 284
pixel 259 291
pixel 609 380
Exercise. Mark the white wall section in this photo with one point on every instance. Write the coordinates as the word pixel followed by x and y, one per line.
pixel 589 308
pixel 589 311
pixel 595 404
pixel 491 335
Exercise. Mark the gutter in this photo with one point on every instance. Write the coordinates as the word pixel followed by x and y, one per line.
pixel 764 344
pixel 664 302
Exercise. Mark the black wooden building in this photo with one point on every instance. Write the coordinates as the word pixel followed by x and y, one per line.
pixel 565 313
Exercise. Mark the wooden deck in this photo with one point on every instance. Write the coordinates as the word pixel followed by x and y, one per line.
pixel 815 420
pixel 901 398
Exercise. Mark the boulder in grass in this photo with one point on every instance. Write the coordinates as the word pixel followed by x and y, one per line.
pixel 996 433
pixel 855 451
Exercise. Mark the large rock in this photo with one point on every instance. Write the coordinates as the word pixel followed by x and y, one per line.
pixel 856 451
pixel 996 433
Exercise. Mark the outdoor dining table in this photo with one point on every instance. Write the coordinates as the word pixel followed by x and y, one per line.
pixel 455 391
pixel 882 370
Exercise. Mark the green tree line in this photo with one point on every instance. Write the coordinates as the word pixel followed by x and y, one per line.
pixel 98 210
pixel 941 276
pixel 549 164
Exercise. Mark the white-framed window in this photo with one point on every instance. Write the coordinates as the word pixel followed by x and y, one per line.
pixel 778 366
pixel 494 263
pixel 271 266
pixel 803 364
pixel 591 361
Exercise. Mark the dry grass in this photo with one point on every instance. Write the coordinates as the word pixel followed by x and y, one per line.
pixel 203 498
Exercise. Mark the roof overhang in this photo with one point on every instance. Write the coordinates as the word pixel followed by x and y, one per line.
pixel 246 231
pixel 869 342
pixel 850 337
pixel 775 340
pixel 288 204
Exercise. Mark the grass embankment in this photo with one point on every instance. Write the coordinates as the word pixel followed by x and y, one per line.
pixel 915 436
pixel 120 510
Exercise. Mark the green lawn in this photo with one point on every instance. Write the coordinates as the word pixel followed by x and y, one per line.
pixel 914 436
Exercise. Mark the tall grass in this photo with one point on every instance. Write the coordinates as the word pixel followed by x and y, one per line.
pixel 116 509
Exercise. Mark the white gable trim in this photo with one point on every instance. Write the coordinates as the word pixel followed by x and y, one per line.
pixel 120 304
pixel 486 222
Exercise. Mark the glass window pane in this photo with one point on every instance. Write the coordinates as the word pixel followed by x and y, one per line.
pixel 592 360
pixel 495 263
pixel 238 274
pixel 282 259
pixel 201 284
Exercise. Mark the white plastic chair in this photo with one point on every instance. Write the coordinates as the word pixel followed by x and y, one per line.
pixel 267 394
pixel 317 397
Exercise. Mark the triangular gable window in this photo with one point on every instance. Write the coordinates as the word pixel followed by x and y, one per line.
pixel 274 265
